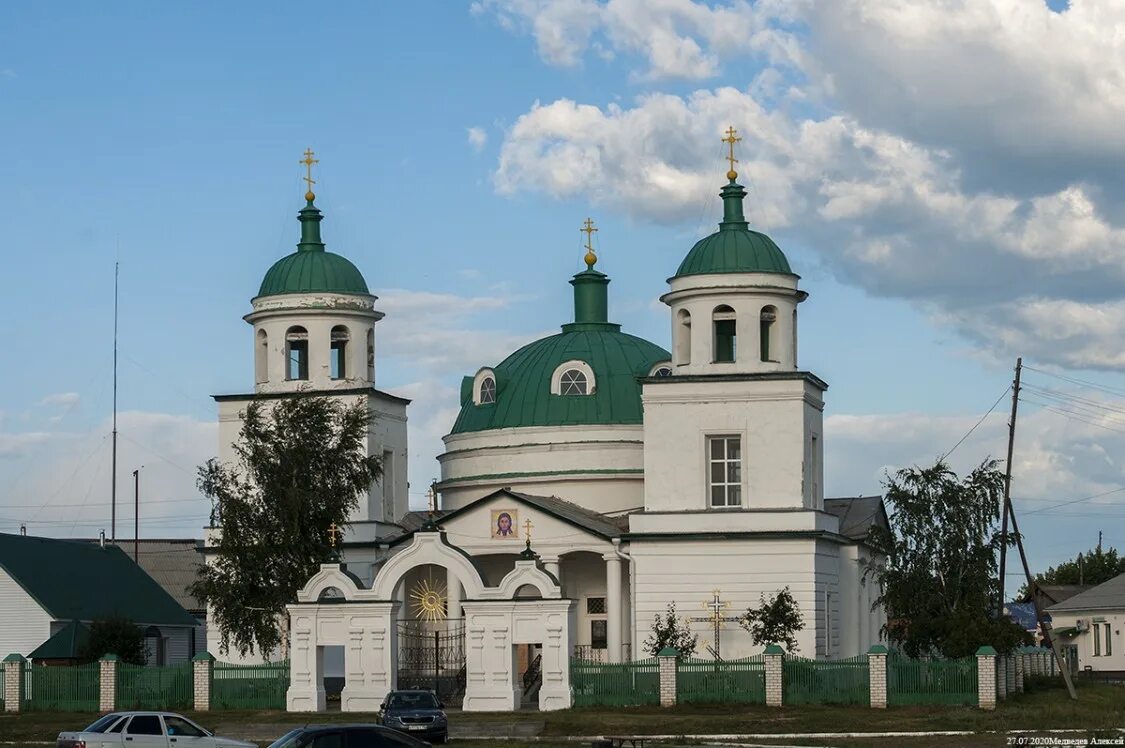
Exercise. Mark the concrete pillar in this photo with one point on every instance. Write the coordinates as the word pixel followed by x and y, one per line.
pixel 773 657
pixel 453 596
pixel 1010 674
pixel 13 682
pixel 1020 663
pixel 613 605
pixel 203 665
pixel 107 669
pixel 1001 680
pixel 986 678
pixel 877 675
pixel 668 659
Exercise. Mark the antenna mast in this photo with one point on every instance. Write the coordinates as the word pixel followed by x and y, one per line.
pixel 113 467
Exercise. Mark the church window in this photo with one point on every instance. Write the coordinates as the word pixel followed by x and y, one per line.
pixel 725 471
pixel 371 355
pixel 338 362
pixel 297 353
pixel 794 338
pixel 599 634
pixel 662 369
pixel 595 606
pixel 766 331
pixel 487 391
pixel 726 334
pixel 683 338
pixel 261 358
pixel 573 382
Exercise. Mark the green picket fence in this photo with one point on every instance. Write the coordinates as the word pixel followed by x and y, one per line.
pixel 721 681
pixel 165 687
pixel 936 681
pixel 73 688
pixel 249 686
pixel 826 681
pixel 623 684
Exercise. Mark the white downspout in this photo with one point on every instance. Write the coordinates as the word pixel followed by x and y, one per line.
pixel 632 596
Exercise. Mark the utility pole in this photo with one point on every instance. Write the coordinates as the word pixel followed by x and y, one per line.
pixel 1008 486
pixel 1099 542
pixel 136 512
pixel 113 460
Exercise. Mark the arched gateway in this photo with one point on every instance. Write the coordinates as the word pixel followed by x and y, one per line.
pixel 335 609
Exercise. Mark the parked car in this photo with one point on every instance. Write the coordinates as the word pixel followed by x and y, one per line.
pixel 346 736
pixel 146 730
pixel 416 713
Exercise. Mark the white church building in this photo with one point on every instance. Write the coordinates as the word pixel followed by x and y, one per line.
pixel 646 477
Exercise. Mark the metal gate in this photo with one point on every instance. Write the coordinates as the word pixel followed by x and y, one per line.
pixel 432 656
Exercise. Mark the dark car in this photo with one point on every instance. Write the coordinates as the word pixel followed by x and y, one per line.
pixel 346 736
pixel 416 713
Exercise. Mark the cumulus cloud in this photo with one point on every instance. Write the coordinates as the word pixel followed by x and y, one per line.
pixel 61 399
pixel 478 138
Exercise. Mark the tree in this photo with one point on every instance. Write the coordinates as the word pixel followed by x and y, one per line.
pixel 669 631
pixel 302 465
pixel 118 636
pixel 1092 567
pixel 938 582
pixel 775 621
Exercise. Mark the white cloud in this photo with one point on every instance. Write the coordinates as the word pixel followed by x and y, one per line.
pixel 478 138
pixel 61 399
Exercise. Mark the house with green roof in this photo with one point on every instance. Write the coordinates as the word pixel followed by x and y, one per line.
pixel 52 590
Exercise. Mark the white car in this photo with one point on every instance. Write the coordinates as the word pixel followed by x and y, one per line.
pixel 144 730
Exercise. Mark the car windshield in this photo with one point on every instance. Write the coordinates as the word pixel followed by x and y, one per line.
pixel 288 740
pixel 103 724
pixel 412 701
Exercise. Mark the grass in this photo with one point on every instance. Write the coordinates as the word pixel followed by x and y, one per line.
pixel 1100 707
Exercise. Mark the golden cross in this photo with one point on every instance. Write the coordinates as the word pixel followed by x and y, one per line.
pixel 308 161
pixel 527 530
pixel 333 533
pixel 589 230
pixel 731 139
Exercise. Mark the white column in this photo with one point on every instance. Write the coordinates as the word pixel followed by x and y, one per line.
pixel 613 606
pixel 453 595
pixel 551 565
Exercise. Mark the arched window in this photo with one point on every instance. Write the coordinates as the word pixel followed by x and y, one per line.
pixel 297 353
pixel 662 369
pixel 682 337
pixel 573 382
pixel 371 355
pixel 766 331
pixel 331 595
pixel 487 391
pixel 261 357
pixel 338 358
pixel 573 378
pixel 726 334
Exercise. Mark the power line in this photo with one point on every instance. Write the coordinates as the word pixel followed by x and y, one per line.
pixel 1080 382
pixel 978 423
pixel 1075 501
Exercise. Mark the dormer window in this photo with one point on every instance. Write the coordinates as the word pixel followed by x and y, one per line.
pixel 573 378
pixel 487 391
pixel 573 382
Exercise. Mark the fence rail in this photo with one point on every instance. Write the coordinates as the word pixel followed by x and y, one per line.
pixel 249 686
pixel 624 684
pixel 932 681
pixel 167 687
pixel 826 681
pixel 61 689
pixel 721 681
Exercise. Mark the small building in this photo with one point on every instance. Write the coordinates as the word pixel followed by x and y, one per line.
pixel 1089 626
pixel 52 590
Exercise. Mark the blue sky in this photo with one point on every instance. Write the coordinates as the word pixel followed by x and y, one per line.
pixel 167 138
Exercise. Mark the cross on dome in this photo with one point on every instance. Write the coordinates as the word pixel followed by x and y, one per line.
pixel 731 139
pixel 591 257
pixel 308 161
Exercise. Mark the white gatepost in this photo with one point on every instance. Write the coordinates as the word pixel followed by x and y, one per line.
pixel 986 678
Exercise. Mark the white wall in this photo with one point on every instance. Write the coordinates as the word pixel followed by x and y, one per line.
pixel 1085 640
pixel 775 419
pixel 23 624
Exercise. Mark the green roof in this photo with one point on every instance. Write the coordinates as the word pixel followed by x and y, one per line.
pixel 734 248
pixel 82 581
pixel 311 269
pixel 64 645
pixel 523 379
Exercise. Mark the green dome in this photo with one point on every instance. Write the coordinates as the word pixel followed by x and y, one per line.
pixel 311 269
pixel 523 379
pixel 734 248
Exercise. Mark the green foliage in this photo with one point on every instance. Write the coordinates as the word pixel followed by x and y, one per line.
pixel 118 636
pixel 302 466
pixel 775 621
pixel 1092 567
pixel 938 581
pixel 670 631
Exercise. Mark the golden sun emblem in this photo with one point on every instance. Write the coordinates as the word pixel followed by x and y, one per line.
pixel 428 600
